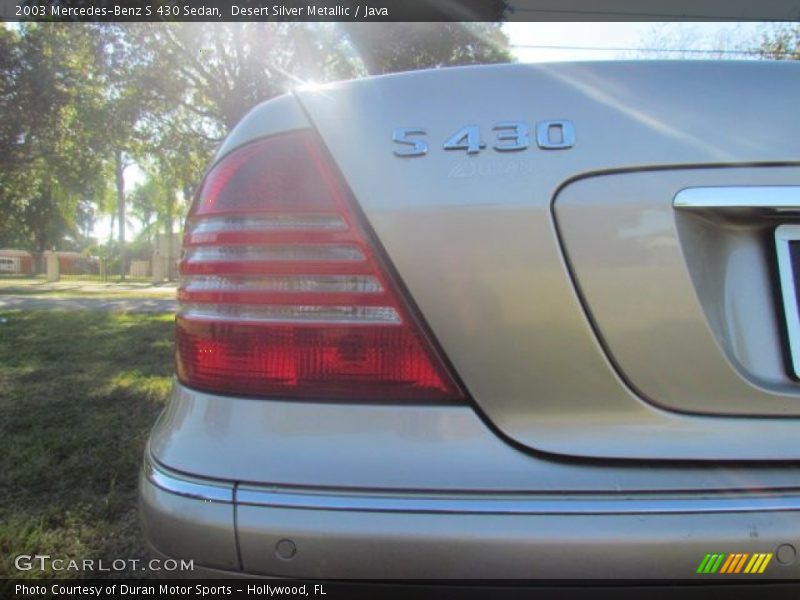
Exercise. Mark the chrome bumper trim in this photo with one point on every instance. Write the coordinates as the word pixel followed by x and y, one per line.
pixel 470 503
pixel 175 483
pixel 522 505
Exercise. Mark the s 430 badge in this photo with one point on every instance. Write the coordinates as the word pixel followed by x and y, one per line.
pixel 507 136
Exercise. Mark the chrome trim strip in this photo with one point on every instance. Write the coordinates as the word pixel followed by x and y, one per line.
pixel 277 253
pixel 176 484
pixel 521 505
pixel 303 284
pixel 301 313
pixel 465 503
pixel 267 222
pixel 778 198
pixel 784 234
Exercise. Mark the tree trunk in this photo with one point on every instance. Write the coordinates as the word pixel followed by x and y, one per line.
pixel 111 231
pixel 170 222
pixel 40 228
pixel 119 169
pixel 41 259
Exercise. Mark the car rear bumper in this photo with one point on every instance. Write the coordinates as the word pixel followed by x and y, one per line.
pixel 327 533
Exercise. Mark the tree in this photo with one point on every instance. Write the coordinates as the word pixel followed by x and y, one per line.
pixel 144 200
pixel 11 110
pixel 218 72
pixel 47 165
pixel 781 42
pixel 131 89
pixel 159 203
pixel 392 47
pixel 81 102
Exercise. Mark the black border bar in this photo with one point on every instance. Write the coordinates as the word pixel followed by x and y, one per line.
pixel 397 10
pixel 391 590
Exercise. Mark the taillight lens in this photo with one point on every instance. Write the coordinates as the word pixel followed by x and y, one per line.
pixel 284 295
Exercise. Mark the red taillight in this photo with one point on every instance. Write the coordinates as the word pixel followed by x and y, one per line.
pixel 284 295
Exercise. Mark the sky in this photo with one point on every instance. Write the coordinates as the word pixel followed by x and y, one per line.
pixel 699 36
pixel 597 41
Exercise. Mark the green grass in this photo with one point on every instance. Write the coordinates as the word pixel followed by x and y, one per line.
pixel 79 392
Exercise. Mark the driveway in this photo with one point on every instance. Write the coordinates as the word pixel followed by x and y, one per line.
pixel 116 304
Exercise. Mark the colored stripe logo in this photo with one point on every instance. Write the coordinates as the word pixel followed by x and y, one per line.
pixel 734 563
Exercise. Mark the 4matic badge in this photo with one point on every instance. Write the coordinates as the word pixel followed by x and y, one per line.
pixel 507 136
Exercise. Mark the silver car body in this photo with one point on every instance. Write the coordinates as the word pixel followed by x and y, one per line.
pixel 612 309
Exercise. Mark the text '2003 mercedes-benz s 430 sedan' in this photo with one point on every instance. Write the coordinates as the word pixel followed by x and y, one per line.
pixel 493 322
